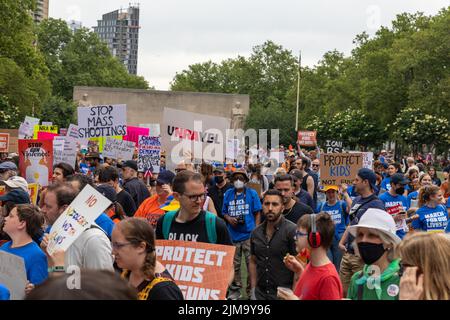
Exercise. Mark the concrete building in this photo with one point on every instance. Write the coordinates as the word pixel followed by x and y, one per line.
pixel 41 11
pixel 120 31
pixel 147 106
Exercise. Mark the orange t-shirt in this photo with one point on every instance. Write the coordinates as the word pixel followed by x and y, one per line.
pixel 150 210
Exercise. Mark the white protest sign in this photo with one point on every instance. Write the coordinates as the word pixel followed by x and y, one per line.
pixel 118 149
pixel 368 160
pixel 26 129
pixel 232 150
pixel 13 274
pixel 102 121
pixel 64 150
pixel 72 131
pixel 149 154
pixel 47 123
pixel 187 133
pixel 155 129
pixel 78 216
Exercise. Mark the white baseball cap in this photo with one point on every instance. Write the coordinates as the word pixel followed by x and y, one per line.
pixel 16 182
pixel 379 220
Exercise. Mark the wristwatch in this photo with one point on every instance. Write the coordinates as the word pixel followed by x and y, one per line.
pixel 57 269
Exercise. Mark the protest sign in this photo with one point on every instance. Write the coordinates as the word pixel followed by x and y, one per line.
pixel 33 189
pixel 36 161
pixel 13 274
pixel 47 123
pixel 78 216
pixel 338 168
pixel 201 136
pixel 102 121
pixel 232 150
pixel 118 149
pixel 26 129
pixel 72 131
pixel 97 144
pixel 64 150
pixel 50 130
pixel 149 154
pixel 307 138
pixel 133 133
pixel 255 186
pixel 278 156
pixel 201 270
pixel 63 132
pixel 155 129
pixel 333 146
pixel 4 142
pixel 368 160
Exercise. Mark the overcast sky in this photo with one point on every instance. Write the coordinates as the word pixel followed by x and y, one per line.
pixel 177 33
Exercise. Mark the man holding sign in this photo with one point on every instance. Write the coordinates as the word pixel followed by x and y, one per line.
pixel 72 229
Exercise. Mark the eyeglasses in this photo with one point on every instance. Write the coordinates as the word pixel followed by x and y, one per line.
pixel 299 234
pixel 195 197
pixel 118 245
pixel 315 165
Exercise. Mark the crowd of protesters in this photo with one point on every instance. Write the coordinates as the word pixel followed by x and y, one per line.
pixel 385 237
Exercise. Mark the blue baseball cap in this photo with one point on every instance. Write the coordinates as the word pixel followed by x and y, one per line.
pixel 17 196
pixel 367 174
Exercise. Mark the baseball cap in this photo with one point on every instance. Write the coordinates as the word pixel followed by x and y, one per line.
pixel 330 187
pixel 8 165
pixel 17 196
pixel 16 182
pixel 367 174
pixel 379 220
pixel 219 169
pixel 165 177
pixel 108 191
pixel 399 178
pixel 130 164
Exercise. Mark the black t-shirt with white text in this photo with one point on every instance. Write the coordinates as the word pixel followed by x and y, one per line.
pixel 194 230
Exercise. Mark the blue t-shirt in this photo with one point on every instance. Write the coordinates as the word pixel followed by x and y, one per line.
pixel 35 260
pixel 431 219
pixel 338 213
pixel 393 201
pixel 4 293
pixel 238 206
pixel 386 184
pixel 412 196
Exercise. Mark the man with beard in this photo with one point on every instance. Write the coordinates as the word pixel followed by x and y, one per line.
pixel 270 242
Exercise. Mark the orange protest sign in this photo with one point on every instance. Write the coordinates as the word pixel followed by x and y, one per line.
pixel 33 189
pixel 201 270
pixel 4 142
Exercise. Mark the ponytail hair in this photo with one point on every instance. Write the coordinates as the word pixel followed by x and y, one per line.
pixel 138 231
pixel 425 192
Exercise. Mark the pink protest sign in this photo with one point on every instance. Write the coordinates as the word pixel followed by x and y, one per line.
pixel 46 135
pixel 133 133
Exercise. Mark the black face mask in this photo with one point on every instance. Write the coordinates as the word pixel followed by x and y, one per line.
pixel 400 190
pixel 370 252
pixel 218 179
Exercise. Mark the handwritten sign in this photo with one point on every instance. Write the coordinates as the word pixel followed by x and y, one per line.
pixel 78 216
pixel 102 121
pixel 64 150
pixel 333 146
pixel 36 161
pixel 338 168
pixel 4 142
pixel 33 189
pixel 201 270
pixel 149 154
pixel 26 129
pixel 307 138
pixel 118 149
pixel 13 274
pixel 155 129
pixel 51 130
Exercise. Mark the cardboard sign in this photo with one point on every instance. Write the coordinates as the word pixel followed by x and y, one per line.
pixel 307 138
pixel 33 189
pixel 4 142
pixel 13 274
pixel 149 154
pixel 187 135
pixel 78 216
pixel 201 270
pixel 36 161
pixel 333 146
pixel 51 130
pixel 102 121
pixel 97 144
pixel 133 133
pixel 255 186
pixel 338 168
pixel 118 149
pixel 155 129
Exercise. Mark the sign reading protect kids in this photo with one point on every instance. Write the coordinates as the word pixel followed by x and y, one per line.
pixel 102 121
pixel 36 161
pixel 78 216
pixel 338 168
pixel 201 270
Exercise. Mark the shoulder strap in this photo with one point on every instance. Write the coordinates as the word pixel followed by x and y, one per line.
pixel 167 222
pixel 143 295
pixel 210 221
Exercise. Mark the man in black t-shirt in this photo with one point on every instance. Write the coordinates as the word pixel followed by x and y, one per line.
pixel 217 191
pixel 294 210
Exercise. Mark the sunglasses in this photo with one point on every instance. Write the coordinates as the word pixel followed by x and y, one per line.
pixel 315 165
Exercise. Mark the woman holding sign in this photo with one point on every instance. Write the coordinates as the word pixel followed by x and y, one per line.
pixel 133 243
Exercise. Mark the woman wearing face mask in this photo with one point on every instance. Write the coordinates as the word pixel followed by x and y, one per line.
pixel 375 237
pixel 432 214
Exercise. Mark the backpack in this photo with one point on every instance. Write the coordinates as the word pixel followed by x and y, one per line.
pixel 210 220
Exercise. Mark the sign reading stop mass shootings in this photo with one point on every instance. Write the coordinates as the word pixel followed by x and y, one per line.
pixel 338 168
pixel 102 121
